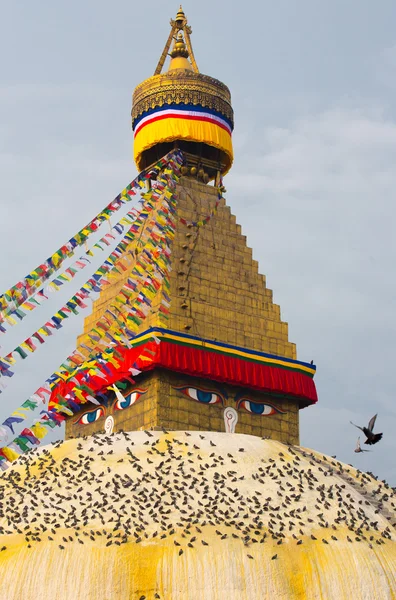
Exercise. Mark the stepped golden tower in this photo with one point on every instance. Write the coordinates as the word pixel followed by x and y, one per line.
pixel 223 342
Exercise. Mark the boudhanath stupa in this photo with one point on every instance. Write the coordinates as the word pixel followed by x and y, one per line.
pixel 181 475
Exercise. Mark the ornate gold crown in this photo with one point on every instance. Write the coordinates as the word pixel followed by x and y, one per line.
pixel 182 106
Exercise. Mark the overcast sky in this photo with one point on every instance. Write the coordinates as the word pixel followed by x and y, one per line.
pixel 313 185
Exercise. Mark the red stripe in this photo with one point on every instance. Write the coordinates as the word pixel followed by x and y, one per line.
pixel 179 116
pixel 200 362
pixel 233 370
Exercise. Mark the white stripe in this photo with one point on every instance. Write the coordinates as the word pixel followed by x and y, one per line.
pixel 191 113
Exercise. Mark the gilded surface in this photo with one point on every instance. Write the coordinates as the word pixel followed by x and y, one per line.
pixel 216 289
pixel 182 86
pixel 216 293
pixel 172 401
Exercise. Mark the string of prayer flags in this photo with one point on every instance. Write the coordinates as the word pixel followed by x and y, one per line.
pixel 82 373
pixel 140 279
pixel 67 276
pixel 55 322
pixel 117 337
pixel 22 290
pixel 18 416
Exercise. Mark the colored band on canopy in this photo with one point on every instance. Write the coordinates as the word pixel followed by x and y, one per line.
pixel 187 122
pixel 181 111
pixel 193 356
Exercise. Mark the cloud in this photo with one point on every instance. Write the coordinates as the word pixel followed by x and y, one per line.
pixel 316 200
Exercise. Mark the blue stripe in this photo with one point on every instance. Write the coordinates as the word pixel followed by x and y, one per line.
pixel 221 345
pixel 186 107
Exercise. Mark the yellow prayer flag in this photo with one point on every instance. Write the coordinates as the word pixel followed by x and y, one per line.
pixel 145 358
pixel 39 430
pixel 27 306
pixel 9 359
pixel 79 395
pixel 10 454
pixel 26 347
pixel 10 320
pixel 64 409
pixel 90 363
pixel 113 361
pixel 64 376
pixel 20 412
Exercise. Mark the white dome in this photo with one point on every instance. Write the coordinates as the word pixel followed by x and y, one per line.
pixel 192 515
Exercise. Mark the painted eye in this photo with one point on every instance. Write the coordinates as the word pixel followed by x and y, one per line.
pixel 129 400
pixel 203 396
pixel 259 408
pixel 91 417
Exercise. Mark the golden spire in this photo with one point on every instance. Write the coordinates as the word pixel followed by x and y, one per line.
pixel 207 134
pixel 179 47
pixel 179 61
pixel 180 18
pixel 179 55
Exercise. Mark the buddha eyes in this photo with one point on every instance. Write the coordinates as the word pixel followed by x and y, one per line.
pixel 91 417
pixel 202 396
pixel 259 408
pixel 213 397
pixel 120 404
pixel 129 400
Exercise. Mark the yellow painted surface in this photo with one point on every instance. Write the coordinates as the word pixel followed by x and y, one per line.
pixel 217 293
pixel 216 487
pixel 213 271
pixel 172 129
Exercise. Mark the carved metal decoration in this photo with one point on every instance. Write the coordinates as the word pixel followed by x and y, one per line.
pixel 180 24
pixel 182 87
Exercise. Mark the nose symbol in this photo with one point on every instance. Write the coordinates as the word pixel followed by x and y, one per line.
pixel 109 425
pixel 230 419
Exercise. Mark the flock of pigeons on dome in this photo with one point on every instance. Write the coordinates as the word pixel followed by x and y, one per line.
pixel 188 490
pixel 372 438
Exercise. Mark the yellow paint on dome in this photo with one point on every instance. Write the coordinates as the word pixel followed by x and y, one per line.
pixel 222 567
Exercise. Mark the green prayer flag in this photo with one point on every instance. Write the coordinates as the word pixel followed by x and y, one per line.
pixel 29 404
pixel 21 352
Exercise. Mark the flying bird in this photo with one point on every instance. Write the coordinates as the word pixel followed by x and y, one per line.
pixel 372 438
pixel 358 447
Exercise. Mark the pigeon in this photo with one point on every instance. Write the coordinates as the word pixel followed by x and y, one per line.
pixel 372 438
pixel 358 448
